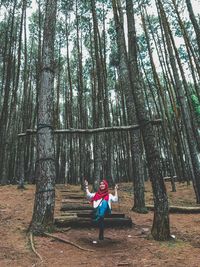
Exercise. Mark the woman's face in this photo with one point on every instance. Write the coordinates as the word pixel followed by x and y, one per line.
pixel 102 186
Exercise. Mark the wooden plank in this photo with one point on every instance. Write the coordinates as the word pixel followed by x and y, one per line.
pixel 69 214
pixel 69 206
pixel 76 201
pixel 73 193
pixel 63 190
pixel 87 219
pixel 62 186
pixel 179 209
pixel 76 211
pixel 112 215
pixel 73 197
pixel 87 222
pixel 94 130
pixel 88 214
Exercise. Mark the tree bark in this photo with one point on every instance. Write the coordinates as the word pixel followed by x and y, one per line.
pixel 195 23
pixel 184 107
pixel 136 152
pixel 45 166
pixel 160 229
pixel 98 119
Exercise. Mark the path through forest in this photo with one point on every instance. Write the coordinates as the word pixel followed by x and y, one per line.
pixel 121 247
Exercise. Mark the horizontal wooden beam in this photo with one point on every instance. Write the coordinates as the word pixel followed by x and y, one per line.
pixel 74 221
pixel 179 209
pixel 96 130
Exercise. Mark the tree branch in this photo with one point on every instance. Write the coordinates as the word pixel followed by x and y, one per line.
pixel 33 246
pixel 67 241
pixel 97 130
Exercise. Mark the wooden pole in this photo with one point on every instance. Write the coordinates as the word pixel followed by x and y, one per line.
pixel 97 130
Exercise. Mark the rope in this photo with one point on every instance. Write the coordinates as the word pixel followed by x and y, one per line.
pixel 46 68
pixel 44 159
pixel 142 124
pixel 44 191
pixel 44 125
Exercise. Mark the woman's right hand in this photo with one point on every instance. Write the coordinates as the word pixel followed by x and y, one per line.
pixel 86 183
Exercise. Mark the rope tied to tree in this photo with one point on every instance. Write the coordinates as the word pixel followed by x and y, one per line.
pixel 44 159
pixel 44 125
pixel 45 190
pixel 48 69
pixel 145 123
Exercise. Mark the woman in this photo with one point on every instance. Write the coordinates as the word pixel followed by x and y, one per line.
pixel 102 203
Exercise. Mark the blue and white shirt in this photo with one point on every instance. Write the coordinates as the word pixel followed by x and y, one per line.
pixel 98 202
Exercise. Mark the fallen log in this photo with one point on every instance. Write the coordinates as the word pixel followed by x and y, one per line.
pixel 179 209
pixel 87 222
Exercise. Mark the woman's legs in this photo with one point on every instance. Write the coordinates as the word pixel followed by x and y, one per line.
pixel 102 210
pixel 101 228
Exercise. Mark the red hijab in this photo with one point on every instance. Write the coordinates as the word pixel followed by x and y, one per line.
pixel 102 193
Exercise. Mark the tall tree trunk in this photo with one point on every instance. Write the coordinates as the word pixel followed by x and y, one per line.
pixel 98 121
pixel 160 229
pixel 82 124
pixel 174 135
pixel 167 134
pixel 139 200
pixel 69 108
pixel 5 106
pixel 195 23
pixel 136 153
pixel 184 107
pixel 45 173
pixel 57 115
pixel 188 44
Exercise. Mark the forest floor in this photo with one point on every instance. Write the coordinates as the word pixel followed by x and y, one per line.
pixel 121 247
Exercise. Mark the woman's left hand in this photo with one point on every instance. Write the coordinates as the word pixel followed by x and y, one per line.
pixel 116 186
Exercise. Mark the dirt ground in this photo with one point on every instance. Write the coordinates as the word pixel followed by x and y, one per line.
pixel 121 247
